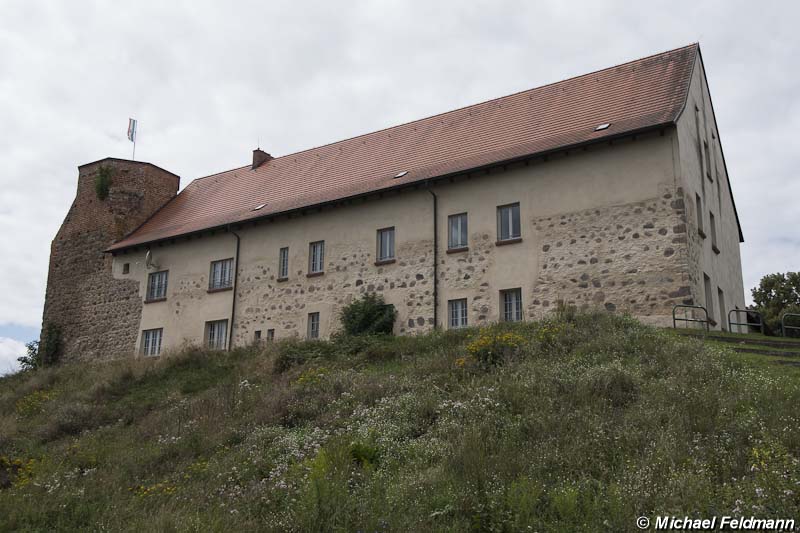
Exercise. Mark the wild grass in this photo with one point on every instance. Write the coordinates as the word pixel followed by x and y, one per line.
pixel 580 423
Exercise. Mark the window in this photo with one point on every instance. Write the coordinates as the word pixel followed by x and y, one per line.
pixel 385 244
pixel 157 285
pixel 217 334
pixel 457 231
pixel 723 316
pixel 712 225
pixel 709 301
pixel 257 335
pixel 313 325
pixel 126 268
pixel 508 222
pixel 283 264
pixel 708 160
pixel 151 341
pixel 270 334
pixel 699 208
pixel 457 313
pixel 221 276
pixel 316 257
pixel 511 301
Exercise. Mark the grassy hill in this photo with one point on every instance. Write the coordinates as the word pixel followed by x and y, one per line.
pixel 581 423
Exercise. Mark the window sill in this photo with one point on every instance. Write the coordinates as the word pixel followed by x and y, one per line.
pixel 382 262
pixel 154 300
pixel 508 241
pixel 715 249
pixel 314 274
pixel 701 233
pixel 282 279
pixel 220 289
pixel 458 250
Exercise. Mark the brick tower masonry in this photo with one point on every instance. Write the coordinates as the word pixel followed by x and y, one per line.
pixel 98 316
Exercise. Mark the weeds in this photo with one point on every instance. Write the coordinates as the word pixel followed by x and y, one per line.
pixel 580 422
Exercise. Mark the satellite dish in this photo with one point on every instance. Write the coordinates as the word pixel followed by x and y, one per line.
pixel 148 260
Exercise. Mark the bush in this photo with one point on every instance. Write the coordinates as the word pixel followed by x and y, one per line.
pixel 102 182
pixel 293 352
pixel 493 345
pixel 370 315
pixel 45 352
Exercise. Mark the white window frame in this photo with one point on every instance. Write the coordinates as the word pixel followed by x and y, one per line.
pixel 385 244
pixel 457 313
pixel 511 305
pixel 312 330
pixel 316 257
pixel 217 334
pixel 157 285
pixel 505 213
pixel 151 342
pixel 457 231
pixel 221 274
pixel 283 263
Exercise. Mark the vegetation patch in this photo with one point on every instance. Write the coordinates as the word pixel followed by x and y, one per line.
pixel 581 422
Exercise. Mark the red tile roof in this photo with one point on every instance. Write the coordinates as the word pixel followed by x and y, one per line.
pixel 642 94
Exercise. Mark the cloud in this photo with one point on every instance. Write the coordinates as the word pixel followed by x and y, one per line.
pixel 10 350
pixel 208 80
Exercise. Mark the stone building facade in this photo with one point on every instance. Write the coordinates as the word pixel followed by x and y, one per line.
pixel 613 182
pixel 97 315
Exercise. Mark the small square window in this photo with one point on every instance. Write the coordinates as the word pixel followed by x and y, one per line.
pixel 508 224
pixel 257 335
pixel 151 341
pixel 217 334
pixel 221 276
pixel 126 268
pixel 316 257
pixel 270 334
pixel 313 326
pixel 283 263
pixel 511 301
pixel 157 285
pixel 457 313
pixel 385 244
pixel 457 231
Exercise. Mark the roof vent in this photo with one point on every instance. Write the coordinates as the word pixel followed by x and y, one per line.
pixel 259 158
pixel 400 174
pixel 259 206
pixel 603 126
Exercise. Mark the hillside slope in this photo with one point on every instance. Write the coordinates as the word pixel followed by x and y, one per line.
pixel 581 423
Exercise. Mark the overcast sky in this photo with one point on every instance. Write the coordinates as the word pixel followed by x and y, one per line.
pixel 208 80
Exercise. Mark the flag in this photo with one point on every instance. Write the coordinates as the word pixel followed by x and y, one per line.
pixel 132 130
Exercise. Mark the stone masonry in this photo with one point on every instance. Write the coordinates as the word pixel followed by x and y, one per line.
pixel 98 316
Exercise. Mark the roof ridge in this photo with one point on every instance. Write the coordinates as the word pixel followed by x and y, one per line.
pixel 332 143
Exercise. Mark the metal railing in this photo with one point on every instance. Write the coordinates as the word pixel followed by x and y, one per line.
pixel 748 312
pixel 784 327
pixel 675 319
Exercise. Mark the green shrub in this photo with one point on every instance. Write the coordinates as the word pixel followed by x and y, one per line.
pixel 294 352
pixel 370 315
pixel 495 344
pixel 43 353
pixel 102 182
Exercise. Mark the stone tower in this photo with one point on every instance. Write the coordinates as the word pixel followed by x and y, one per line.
pixel 98 316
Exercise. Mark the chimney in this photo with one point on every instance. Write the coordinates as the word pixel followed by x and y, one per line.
pixel 260 157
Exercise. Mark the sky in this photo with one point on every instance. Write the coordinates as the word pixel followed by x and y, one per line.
pixel 209 81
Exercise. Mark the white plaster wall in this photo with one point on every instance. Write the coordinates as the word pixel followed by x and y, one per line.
pixel 724 268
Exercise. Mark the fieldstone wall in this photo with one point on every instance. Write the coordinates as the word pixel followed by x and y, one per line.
pixel 631 258
pixel 98 316
pixel 350 272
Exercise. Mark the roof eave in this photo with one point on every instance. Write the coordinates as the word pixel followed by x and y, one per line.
pixel 422 182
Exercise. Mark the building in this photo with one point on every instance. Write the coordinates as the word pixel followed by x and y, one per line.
pixel 606 190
